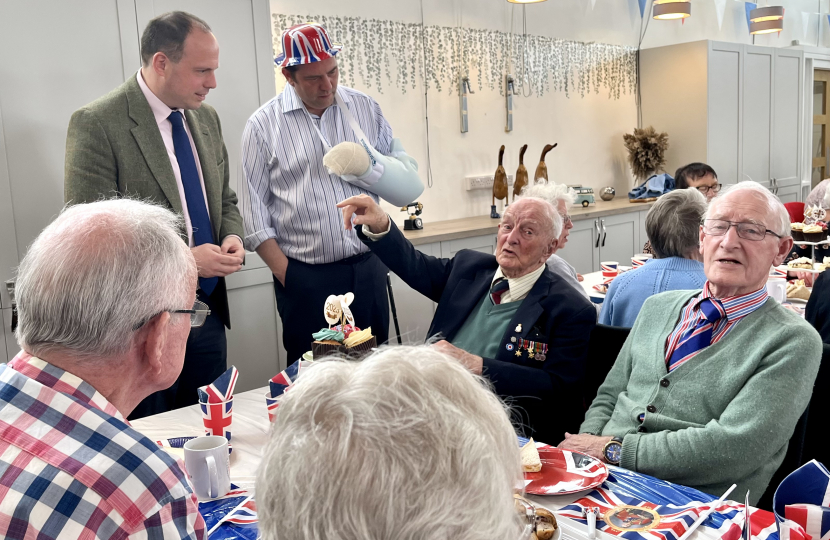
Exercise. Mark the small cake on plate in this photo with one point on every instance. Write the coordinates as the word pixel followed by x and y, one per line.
pixel 797 230
pixel 802 263
pixel 815 233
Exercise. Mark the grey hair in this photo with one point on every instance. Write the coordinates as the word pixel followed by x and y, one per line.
pixel 673 223
pixel 551 192
pixel 780 216
pixel 96 272
pixel 550 211
pixel 406 444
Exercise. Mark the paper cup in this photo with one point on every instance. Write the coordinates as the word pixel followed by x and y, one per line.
pixel 217 417
pixel 271 405
pixel 640 259
pixel 597 298
pixel 609 268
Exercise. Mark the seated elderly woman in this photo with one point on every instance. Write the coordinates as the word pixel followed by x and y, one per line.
pixel 710 383
pixel 673 226
pixel 406 444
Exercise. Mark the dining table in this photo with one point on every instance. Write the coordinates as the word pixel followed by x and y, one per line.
pixel 249 438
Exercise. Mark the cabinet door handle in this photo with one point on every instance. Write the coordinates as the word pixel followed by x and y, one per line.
pixel 604 232
pixel 599 235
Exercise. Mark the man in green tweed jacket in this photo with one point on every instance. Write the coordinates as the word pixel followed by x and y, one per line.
pixel 708 388
pixel 154 139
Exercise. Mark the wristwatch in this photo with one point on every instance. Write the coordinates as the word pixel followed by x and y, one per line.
pixel 613 451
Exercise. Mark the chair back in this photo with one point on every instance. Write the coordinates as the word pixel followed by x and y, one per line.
pixel 603 347
pixel 796 211
pixel 807 441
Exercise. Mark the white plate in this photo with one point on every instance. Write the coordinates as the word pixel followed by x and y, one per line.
pixel 797 301
pixel 813 271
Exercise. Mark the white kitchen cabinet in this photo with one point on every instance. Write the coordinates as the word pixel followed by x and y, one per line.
pixel 254 343
pixel 414 310
pixel 485 244
pixel 620 238
pixel 582 249
pixel 738 109
pixel 791 193
pixel 608 238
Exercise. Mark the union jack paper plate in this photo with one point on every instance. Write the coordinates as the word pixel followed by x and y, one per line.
pixel 564 472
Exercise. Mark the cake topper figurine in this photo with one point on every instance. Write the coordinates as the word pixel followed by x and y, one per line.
pixel 499 185
pixel 813 214
pixel 337 309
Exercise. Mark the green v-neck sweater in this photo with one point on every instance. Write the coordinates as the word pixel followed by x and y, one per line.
pixel 723 417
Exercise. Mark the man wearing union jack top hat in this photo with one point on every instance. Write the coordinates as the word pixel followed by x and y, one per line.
pixel 315 144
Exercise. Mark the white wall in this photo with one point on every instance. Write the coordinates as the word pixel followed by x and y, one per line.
pixel 589 130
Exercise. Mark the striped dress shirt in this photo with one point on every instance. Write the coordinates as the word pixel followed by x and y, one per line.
pixel 289 195
pixel 72 467
pixel 735 307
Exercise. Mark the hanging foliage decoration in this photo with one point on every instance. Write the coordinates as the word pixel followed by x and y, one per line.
pixel 391 53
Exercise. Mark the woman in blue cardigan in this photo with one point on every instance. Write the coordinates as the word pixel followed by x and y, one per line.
pixel 673 226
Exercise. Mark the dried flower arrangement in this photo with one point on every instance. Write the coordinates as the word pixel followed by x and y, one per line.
pixel 646 151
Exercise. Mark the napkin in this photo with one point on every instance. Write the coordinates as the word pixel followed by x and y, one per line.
pixel 221 389
pixel 281 382
pixel 216 403
pixel 801 503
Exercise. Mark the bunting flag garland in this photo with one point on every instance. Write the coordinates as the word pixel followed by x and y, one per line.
pixel 720 6
pixel 642 7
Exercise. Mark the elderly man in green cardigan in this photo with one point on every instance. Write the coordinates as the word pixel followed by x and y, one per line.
pixel 708 388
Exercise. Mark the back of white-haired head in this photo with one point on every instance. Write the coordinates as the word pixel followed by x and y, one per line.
pixel 96 272
pixel 779 218
pixel 407 445
pixel 551 192
pixel 549 210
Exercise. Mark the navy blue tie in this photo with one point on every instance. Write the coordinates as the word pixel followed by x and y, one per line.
pixel 199 218
pixel 698 336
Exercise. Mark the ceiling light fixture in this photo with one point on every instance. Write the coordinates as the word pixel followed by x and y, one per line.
pixel 766 20
pixel 671 9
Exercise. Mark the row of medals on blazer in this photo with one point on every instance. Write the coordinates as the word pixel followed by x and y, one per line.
pixel 535 350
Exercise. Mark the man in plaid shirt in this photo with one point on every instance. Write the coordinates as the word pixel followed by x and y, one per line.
pixel 102 296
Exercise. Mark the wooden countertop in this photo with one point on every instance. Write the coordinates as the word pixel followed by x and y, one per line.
pixel 454 229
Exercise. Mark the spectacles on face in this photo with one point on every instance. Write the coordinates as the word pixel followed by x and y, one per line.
pixel 705 189
pixel 198 315
pixel 566 218
pixel 747 231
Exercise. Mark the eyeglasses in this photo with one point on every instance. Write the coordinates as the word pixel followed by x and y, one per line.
pixel 528 516
pixel 705 189
pixel 566 218
pixel 747 231
pixel 198 314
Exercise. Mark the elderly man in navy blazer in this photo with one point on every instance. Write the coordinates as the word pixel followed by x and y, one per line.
pixel 507 316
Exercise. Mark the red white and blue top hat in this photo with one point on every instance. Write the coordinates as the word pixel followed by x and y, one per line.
pixel 305 43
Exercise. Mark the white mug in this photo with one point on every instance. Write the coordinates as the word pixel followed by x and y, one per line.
pixel 777 289
pixel 207 465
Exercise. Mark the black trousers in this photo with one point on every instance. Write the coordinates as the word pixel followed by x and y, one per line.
pixel 205 359
pixel 300 303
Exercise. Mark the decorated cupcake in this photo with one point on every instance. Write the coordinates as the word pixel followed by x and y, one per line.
pixel 816 232
pixel 797 230
pixel 345 337
pixel 327 342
